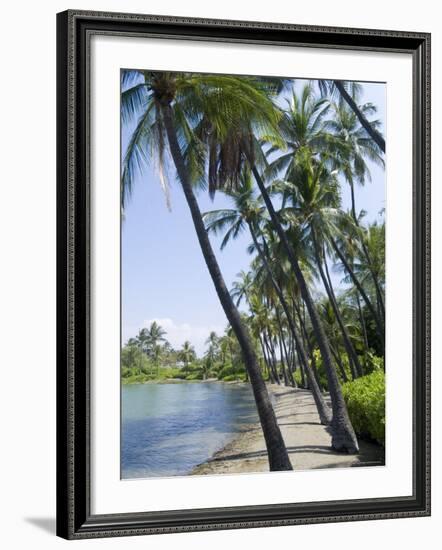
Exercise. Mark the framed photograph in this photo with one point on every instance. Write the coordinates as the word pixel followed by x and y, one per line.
pixel 243 274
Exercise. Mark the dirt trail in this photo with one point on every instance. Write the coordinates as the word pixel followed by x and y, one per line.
pixel 308 442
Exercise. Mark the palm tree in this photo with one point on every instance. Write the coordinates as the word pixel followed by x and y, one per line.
pixel 345 244
pixel 314 196
pixel 187 353
pixel 242 286
pixel 348 91
pixel 345 126
pixel 212 352
pixel 343 438
pixel 155 334
pixel 248 213
pixel 194 114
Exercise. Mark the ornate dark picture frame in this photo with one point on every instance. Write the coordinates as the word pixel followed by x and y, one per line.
pixel 74 518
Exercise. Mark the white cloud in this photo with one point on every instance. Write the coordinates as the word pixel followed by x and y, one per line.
pixel 177 334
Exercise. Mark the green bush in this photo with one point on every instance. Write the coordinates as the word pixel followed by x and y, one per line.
pixel 234 378
pixel 195 376
pixel 297 376
pixel 227 370
pixel 321 369
pixel 365 399
pixel 372 362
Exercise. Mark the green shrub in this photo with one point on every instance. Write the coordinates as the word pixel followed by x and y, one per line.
pixel 227 370
pixel 297 376
pixel 365 399
pixel 372 362
pixel 195 376
pixel 230 378
pixel 321 369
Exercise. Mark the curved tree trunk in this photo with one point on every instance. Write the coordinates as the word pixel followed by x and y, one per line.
pixel 272 360
pixel 322 407
pixel 288 379
pixel 343 435
pixel 351 353
pixel 364 328
pixel 266 361
pixel 306 342
pixel 276 449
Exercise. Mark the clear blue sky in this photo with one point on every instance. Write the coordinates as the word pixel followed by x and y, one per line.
pixel 164 276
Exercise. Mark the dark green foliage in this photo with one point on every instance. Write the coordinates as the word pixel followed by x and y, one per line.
pixel 321 370
pixel 365 399
pixel 195 376
pixel 230 373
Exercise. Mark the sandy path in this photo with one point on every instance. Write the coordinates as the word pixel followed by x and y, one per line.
pixel 307 441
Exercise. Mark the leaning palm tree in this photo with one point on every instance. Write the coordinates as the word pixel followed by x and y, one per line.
pixel 353 162
pixel 248 213
pixel 314 199
pixel 190 116
pixel 344 437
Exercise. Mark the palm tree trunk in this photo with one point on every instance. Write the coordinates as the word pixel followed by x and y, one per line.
pixel 271 356
pixel 287 358
pixel 276 449
pixel 355 365
pixel 379 325
pixel 306 340
pixel 363 327
pixel 343 435
pixel 339 363
pixel 283 351
pixel 375 135
pixel 266 361
pixel 323 409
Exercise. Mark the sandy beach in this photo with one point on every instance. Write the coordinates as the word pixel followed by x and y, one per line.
pixel 308 442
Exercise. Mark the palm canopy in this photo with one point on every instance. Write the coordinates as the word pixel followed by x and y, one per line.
pixel 346 127
pixel 246 209
pixel 349 92
pixel 242 286
pixel 312 195
pixel 302 126
pixel 217 118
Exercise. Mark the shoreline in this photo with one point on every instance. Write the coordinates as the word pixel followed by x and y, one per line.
pixel 307 441
pixel 180 381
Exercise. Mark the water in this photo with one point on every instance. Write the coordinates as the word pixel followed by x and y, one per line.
pixel 168 429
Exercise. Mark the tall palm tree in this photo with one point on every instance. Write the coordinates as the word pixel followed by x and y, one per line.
pixel 212 351
pixel 352 163
pixel 314 197
pixel 344 438
pixel 345 245
pixel 247 213
pixel 190 115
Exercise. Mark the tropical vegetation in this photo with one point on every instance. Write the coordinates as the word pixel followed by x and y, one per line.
pixel 313 297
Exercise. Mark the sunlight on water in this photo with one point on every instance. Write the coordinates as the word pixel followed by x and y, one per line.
pixel 168 429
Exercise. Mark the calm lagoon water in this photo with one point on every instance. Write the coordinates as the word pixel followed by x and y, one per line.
pixel 167 429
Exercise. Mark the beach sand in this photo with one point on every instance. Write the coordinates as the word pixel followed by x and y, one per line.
pixel 308 442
